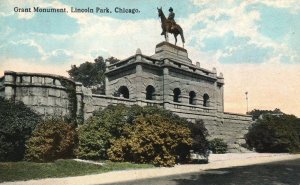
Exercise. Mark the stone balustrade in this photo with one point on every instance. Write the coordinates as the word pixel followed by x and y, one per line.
pixel 42 92
pixel 189 67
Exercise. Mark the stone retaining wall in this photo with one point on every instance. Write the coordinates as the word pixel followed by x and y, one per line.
pixel 232 129
pixel 227 126
pixel 44 93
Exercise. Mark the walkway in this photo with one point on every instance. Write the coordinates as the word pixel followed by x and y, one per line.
pixel 216 162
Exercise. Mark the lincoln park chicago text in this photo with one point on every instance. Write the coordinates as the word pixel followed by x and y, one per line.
pixel 103 10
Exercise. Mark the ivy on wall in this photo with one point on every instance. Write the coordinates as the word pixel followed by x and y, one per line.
pixel 72 106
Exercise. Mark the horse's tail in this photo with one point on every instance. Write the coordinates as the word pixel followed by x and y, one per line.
pixel 181 34
pixel 182 37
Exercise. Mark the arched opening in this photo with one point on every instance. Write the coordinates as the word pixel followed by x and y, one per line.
pixel 176 96
pixel 124 92
pixel 205 100
pixel 150 93
pixel 192 98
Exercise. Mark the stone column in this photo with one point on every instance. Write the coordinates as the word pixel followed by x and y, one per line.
pixel 79 97
pixel 107 87
pixel 165 84
pixel 9 83
pixel 138 80
pixel 139 84
pixel 221 93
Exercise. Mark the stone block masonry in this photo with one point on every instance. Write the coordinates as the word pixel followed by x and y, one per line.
pixel 167 79
pixel 42 92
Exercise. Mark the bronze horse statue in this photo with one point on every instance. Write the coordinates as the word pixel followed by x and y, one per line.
pixel 167 27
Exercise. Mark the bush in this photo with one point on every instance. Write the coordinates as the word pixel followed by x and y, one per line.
pixel 199 133
pixel 52 139
pixel 275 134
pixel 95 135
pixel 16 124
pixel 152 139
pixel 105 125
pixel 218 146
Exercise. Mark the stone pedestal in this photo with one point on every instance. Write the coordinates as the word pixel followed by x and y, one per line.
pixel 166 50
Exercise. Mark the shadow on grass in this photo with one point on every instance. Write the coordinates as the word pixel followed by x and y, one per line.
pixel 276 173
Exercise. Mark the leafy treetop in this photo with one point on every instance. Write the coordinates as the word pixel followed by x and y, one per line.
pixel 91 73
pixel 256 113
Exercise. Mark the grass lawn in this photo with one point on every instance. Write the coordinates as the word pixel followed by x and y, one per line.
pixel 14 171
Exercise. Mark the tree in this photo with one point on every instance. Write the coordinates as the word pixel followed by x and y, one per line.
pixel 88 73
pixel 274 133
pixel 112 60
pixel 16 125
pixel 256 113
pixel 92 74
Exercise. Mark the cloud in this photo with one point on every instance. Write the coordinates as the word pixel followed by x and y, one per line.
pixel 292 5
pixel 59 56
pixel 259 23
pixel 30 65
pixel 248 53
pixel 46 23
pixel 21 49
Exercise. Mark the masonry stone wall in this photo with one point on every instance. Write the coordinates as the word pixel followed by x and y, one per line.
pixel 231 128
pixel 2 88
pixel 87 102
pixel 42 92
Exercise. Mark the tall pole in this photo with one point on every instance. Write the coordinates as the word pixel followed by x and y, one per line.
pixel 246 93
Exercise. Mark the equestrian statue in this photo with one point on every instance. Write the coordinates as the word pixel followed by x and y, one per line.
pixel 169 25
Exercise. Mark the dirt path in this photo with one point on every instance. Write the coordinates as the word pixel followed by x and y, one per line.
pixel 216 162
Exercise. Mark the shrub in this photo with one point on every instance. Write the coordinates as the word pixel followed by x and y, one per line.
pixel 199 133
pixel 218 146
pixel 105 125
pixel 16 124
pixel 52 139
pixel 275 134
pixel 152 139
pixel 96 133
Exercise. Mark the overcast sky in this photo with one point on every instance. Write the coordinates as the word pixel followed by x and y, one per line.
pixel 254 43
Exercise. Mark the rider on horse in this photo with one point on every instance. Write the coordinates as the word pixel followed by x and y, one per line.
pixel 171 18
pixel 169 25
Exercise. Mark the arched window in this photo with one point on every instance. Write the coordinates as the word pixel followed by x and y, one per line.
pixel 150 92
pixel 192 99
pixel 205 100
pixel 176 96
pixel 124 92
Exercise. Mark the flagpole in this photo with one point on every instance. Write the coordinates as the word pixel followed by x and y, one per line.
pixel 246 93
